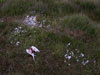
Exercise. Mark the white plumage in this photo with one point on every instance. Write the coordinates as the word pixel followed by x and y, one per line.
pixel 35 49
pixel 31 51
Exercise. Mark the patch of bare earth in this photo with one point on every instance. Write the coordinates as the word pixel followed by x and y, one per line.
pixel 75 33
pixel 11 20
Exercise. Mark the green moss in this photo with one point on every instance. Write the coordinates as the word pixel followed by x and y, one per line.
pixel 82 23
pixel 1 1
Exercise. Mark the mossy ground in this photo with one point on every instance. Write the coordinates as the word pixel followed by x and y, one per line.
pixel 74 21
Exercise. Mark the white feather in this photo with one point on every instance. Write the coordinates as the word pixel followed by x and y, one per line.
pixel 29 51
pixel 35 49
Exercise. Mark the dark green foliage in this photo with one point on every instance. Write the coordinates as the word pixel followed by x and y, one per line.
pixel 43 7
pixel 86 5
pixel 16 7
